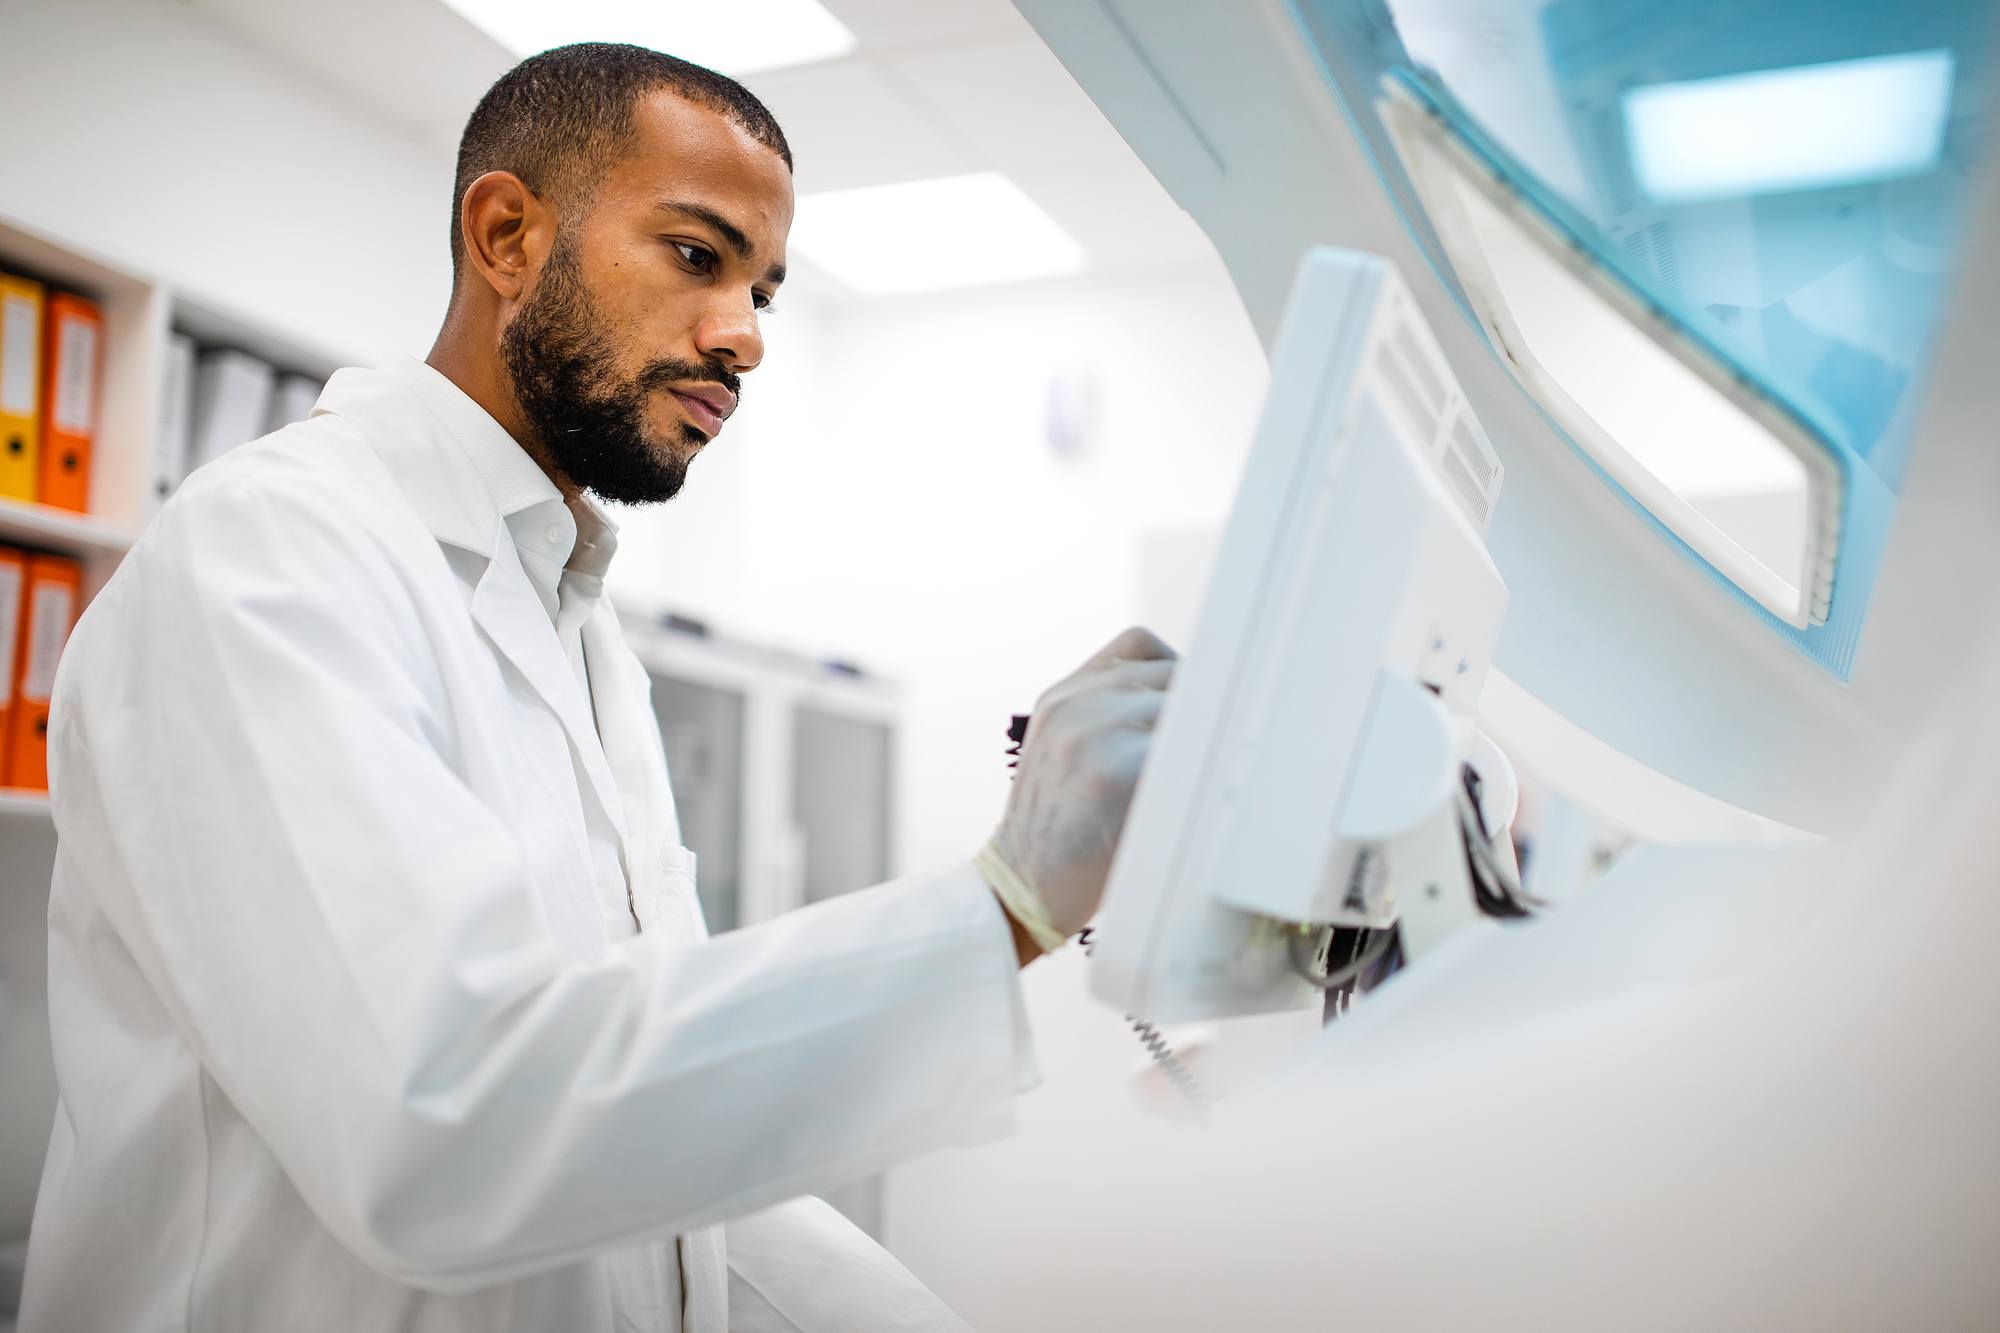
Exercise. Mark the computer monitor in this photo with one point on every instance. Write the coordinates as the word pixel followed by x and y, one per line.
pixel 1327 697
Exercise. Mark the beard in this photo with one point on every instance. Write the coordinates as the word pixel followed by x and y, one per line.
pixel 587 419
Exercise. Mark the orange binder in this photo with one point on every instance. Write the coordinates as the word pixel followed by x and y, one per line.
pixel 20 386
pixel 55 587
pixel 13 584
pixel 72 361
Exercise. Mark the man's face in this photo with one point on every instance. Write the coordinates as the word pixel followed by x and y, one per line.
pixel 626 353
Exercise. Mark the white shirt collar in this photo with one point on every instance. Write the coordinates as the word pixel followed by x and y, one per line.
pixel 515 480
pixel 550 534
pixel 596 537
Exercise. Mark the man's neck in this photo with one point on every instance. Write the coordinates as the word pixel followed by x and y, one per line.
pixel 474 367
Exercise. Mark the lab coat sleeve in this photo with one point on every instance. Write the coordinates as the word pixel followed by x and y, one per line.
pixel 803 1268
pixel 254 781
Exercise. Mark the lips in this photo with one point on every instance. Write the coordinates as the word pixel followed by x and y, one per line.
pixel 707 405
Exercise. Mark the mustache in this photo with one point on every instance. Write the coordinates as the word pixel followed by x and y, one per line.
pixel 666 373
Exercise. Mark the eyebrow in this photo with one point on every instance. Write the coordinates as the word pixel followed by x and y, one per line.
pixel 731 234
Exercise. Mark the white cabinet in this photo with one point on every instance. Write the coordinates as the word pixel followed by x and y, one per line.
pixel 783 768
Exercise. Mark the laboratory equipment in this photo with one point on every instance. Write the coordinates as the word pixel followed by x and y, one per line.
pixel 1708 1065
pixel 1654 681
pixel 1310 767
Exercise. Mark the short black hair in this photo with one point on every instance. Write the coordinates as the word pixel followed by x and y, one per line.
pixel 557 118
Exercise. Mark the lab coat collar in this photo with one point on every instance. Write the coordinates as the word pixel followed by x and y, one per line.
pixel 418 422
pixel 415 427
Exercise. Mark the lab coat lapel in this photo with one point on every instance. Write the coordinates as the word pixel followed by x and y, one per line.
pixel 505 606
pixel 662 871
pixel 624 694
pixel 447 492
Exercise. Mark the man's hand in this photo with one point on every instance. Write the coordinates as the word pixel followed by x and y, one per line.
pixel 1086 743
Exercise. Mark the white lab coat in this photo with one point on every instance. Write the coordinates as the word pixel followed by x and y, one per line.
pixel 342 1037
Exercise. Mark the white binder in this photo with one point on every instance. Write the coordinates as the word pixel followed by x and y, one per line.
pixel 232 403
pixel 170 432
pixel 292 400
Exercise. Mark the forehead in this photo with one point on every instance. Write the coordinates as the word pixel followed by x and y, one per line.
pixel 684 152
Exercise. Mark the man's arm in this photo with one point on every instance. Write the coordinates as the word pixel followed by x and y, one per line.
pixel 252 782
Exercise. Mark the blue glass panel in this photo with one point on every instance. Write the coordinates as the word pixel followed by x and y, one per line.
pixel 1785 179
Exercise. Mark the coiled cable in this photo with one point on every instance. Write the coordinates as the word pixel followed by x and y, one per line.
pixel 1150 1037
pixel 1160 1049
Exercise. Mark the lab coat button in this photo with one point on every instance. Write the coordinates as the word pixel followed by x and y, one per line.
pixel 555 535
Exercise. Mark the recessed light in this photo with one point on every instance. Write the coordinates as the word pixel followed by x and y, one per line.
pixel 932 235
pixel 1780 130
pixel 740 37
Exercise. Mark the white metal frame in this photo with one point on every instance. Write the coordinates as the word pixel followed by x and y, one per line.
pixel 1437 163
pixel 773 685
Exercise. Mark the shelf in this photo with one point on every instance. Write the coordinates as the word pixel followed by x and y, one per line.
pixel 215 325
pixel 60 529
pixel 30 805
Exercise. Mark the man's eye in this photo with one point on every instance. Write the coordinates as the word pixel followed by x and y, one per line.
pixel 699 258
pixel 760 301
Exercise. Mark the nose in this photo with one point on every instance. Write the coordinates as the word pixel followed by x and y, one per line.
pixel 728 333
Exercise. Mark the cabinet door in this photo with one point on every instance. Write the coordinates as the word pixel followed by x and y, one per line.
pixel 702 729
pixel 842 787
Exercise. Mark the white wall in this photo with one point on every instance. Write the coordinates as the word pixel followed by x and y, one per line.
pixel 887 495
pixel 153 134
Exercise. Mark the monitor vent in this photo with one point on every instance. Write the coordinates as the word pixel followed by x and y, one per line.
pixel 1402 385
pixel 1471 468
pixel 1427 398
pixel 1460 476
pixel 1421 368
pixel 1478 459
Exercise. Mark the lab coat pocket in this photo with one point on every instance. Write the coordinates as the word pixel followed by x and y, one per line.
pixel 666 898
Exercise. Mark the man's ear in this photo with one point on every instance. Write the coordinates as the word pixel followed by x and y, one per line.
pixel 507 231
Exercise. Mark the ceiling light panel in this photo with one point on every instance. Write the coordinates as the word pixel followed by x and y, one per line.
pixel 1780 130
pixel 740 37
pixel 932 235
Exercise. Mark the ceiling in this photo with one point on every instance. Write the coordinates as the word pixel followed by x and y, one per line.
pixel 935 87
